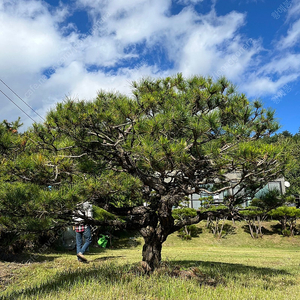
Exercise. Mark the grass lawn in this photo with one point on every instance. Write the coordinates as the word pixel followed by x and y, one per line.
pixel 234 267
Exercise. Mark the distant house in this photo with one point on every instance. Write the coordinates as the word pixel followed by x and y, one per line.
pixel 197 200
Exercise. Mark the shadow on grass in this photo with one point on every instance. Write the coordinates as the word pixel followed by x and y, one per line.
pixel 227 268
pixel 52 254
pixel 228 230
pixel 264 230
pixel 277 228
pixel 26 258
pixel 92 250
pixel 108 273
pixel 105 258
pixel 113 274
pixel 193 232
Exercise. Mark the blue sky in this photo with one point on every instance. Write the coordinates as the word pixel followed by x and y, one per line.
pixel 53 49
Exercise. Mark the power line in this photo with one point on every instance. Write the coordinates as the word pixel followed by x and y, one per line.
pixel 21 100
pixel 17 105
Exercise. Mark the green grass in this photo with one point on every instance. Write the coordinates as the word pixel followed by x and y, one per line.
pixel 235 267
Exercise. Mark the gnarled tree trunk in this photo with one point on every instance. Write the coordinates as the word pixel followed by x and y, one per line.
pixel 155 234
pixel 152 252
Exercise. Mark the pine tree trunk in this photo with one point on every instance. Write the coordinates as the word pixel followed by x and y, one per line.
pixel 250 228
pixel 186 230
pixel 256 229
pixel 283 222
pixel 216 227
pixel 259 227
pixel 152 254
pixel 155 234
pixel 292 226
pixel 223 223
pixel 208 222
pixel 153 238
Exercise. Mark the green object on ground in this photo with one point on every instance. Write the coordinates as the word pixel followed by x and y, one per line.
pixel 103 240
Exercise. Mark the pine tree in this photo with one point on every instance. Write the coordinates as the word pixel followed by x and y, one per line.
pixel 139 157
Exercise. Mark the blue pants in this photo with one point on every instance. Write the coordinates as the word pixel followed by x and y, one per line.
pixel 88 240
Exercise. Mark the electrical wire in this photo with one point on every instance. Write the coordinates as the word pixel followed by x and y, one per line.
pixel 21 100
pixel 16 105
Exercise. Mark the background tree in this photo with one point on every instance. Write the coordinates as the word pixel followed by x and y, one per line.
pixel 170 140
pixel 259 210
pixel 291 143
pixel 292 173
pixel 188 231
pixel 287 216
pixel 216 222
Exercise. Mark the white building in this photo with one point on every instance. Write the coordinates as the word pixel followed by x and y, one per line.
pixel 196 200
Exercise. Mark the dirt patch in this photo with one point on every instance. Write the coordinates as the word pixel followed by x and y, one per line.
pixel 7 270
pixel 193 273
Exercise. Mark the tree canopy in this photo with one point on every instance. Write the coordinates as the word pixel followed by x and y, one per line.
pixel 138 157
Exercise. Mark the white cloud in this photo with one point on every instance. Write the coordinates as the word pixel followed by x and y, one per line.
pixel 187 2
pixel 266 85
pixel 122 36
pixel 292 37
pixel 215 48
pixel 29 38
pixel 286 64
pixel 292 20
pixel 294 9
pixel 193 42
pixel 283 67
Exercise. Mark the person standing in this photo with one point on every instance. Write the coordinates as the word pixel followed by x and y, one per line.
pixel 83 231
